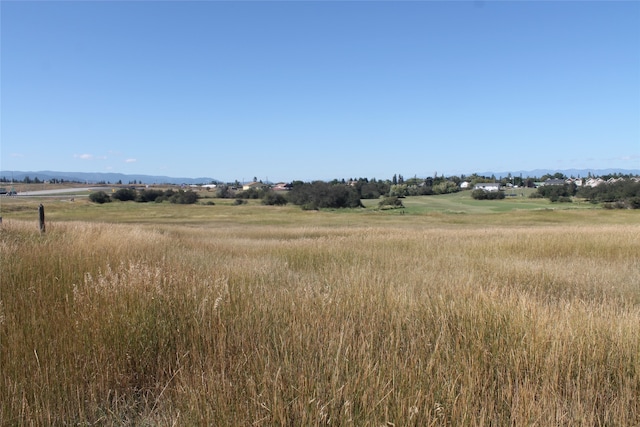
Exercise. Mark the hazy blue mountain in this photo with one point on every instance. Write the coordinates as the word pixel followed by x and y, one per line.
pixel 94 177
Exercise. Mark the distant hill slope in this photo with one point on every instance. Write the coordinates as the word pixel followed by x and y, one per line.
pixel 95 177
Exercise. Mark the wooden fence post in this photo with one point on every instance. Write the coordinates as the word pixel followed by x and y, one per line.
pixel 41 216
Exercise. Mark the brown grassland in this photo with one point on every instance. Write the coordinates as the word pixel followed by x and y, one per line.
pixel 134 314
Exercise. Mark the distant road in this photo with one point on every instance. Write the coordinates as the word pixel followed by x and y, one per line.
pixel 64 191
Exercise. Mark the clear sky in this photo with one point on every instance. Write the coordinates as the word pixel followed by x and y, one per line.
pixel 319 90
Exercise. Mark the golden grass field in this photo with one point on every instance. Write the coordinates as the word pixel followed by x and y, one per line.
pixel 157 314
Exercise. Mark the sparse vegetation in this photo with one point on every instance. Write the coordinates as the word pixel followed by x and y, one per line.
pixel 309 318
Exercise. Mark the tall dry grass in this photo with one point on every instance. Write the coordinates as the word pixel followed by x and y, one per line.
pixel 313 325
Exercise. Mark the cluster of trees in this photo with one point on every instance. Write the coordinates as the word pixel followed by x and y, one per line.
pixel 620 194
pixel 320 194
pixel 368 189
pixel 556 193
pixel 347 194
pixel 147 195
pixel 425 187
pixel 268 196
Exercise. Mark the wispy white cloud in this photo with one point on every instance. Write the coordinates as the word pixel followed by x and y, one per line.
pixel 130 160
pixel 87 156
pixel 16 155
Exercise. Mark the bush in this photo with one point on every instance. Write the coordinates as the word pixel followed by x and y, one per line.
pixel 634 203
pixel 149 195
pixel 487 195
pixel 238 202
pixel 182 197
pixel 99 197
pixel 251 193
pixel 274 199
pixel 392 202
pixel 224 192
pixel 124 194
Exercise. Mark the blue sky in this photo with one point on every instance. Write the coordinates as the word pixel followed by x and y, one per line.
pixel 319 90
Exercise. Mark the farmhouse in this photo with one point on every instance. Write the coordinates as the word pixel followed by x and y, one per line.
pixel 487 186
pixel 256 185
pixel 281 186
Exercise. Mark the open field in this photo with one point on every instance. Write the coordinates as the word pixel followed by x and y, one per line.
pixel 454 313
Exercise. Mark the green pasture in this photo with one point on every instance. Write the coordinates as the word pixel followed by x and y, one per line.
pixel 453 209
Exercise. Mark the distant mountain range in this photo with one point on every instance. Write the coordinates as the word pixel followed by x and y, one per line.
pixel 95 177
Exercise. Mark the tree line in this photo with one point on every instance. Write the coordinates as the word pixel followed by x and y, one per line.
pixel 349 193
pixel 622 194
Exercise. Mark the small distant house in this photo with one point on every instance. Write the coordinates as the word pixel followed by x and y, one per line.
pixel 464 185
pixel 487 186
pixel 554 181
pixel 594 182
pixel 255 185
pixel 281 186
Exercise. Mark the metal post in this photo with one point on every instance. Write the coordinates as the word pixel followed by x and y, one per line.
pixel 41 216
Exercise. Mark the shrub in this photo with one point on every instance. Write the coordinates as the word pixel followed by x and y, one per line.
pixel 182 197
pixel 487 195
pixel 392 202
pixel 224 192
pixel 634 203
pixel 124 194
pixel 274 199
pixel 251 193
pixel 99 197
pixel 149 195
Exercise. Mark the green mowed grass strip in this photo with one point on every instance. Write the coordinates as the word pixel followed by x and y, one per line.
pixel 462 202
